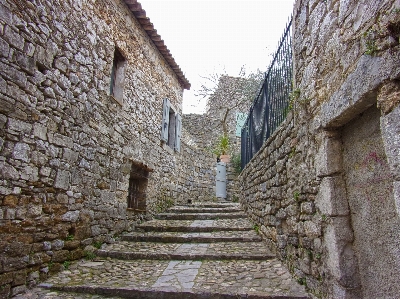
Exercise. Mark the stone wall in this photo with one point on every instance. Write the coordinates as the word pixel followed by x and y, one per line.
pixel 206 128
pixel 196 173
pixel 67 147
pixel 303 187
pixel 204 131
pixel 229 96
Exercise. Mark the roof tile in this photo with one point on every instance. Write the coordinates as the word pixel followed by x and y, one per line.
pixel 146 24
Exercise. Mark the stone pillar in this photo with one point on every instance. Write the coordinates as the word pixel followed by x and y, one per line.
pixel 388 97
pixel 343 278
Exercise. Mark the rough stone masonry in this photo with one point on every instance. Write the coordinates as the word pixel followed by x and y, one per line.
pixel 325 188
pixel 82 87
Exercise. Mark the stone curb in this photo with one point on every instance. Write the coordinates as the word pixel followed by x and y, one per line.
pixel 211 205
pixel 152 293
pixel 185 257
pixel 187 239
pixel 202 216
pixel 191 229
pixel 204 210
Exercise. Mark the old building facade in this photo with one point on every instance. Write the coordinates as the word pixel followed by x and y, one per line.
pixel 90 131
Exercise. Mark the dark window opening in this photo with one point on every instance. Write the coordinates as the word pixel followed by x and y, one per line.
pixel 137 188
pixel 171 129
pixel 117 77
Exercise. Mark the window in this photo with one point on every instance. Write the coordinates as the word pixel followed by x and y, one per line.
pixel 137 188
pixel 240 121
pixel 171 126
pixel 117 77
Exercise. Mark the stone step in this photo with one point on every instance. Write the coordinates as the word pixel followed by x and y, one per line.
pixel 218 204
pixel 179 251
pixel 200 216
pixel 175 279
pixel 194 209
pixel 183 237
pixel 196 225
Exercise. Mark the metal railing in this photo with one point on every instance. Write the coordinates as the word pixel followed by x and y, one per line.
pixel 271 105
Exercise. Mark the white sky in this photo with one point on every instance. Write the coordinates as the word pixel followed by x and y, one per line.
pixel 208 36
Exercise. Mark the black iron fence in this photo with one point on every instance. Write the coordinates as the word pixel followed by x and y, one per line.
pixel 271 105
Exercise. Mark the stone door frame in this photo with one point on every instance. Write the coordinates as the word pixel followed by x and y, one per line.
pixel 359 92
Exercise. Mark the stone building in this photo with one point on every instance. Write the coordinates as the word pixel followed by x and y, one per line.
pixel 229 99
pixel 226 108
pixel 325 187
pixel 90 131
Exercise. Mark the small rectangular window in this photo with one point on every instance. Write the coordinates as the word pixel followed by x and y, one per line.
pixel 118 77
pixel 171 129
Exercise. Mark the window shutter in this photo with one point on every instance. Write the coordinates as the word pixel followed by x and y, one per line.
pixel 178 130
pixel 165 120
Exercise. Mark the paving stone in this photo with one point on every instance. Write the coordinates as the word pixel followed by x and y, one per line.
pixel 202 237
pixel 219 250
pixel 246 277
pixel 200 209
pixel 179 275
pixel 240 224
pixel 218 204
pixel 39 293
pixel 222 277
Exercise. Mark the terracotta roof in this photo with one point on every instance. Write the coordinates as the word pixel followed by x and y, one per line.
pixel 148 26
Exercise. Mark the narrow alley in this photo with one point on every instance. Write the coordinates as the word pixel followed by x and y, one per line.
pixel 207 250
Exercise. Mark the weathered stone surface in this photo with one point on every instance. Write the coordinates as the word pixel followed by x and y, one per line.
pixel 390 127
pixel 18 290
pixel 396 188
pixel 389 96
pixel 370 194
pixel 312 229
pixel 19 126
pixel 71 216
pixel 40 131
pixel 57 244
pixel 8 171
pixel 46 246
pixel 331 199
pixel 329 158
pixel 342 261
pixel 355 95
pixel 62 180
pixel 13 38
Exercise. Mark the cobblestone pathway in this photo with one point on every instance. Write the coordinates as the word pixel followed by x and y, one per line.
pixel 197 251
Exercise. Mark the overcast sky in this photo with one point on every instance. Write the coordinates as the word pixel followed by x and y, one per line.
pixel 208 36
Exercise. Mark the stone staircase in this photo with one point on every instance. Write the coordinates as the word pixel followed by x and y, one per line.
pixel 199 251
